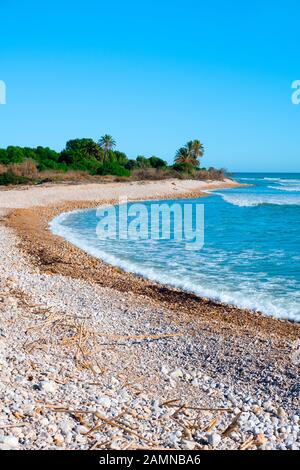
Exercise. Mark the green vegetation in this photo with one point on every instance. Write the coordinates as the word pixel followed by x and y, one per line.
pixel 190 153
pixel 9 178
pixel 85 158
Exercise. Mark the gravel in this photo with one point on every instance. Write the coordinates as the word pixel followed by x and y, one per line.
pixel 70 379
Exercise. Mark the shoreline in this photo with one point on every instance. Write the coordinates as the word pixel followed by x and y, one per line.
pixel 246 353
pixel 46 251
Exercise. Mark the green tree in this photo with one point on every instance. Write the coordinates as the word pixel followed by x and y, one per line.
pixel 142 162
pixel 183 156
pixel 120 157
pixel 131 165
pixel 190 153
pixel 107 143
pixel 157 162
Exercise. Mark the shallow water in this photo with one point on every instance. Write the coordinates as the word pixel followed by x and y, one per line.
pixel 250 258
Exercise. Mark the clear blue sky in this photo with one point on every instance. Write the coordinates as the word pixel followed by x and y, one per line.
pixel 155 74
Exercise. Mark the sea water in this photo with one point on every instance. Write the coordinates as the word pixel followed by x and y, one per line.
pixel 250 257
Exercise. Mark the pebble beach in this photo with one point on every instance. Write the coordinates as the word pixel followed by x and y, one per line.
pixel 95 358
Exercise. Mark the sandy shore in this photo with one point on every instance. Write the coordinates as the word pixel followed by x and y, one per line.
pixel 90 355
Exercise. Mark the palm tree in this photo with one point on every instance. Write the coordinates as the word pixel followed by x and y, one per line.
pixel 190 153
pixel 182 156
pixel 107 143
pixel 195 148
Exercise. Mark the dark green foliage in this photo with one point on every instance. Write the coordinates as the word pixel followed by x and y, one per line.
pixel 188 168
pixel 156 162
pixel 131 165
pixel 119 157
pixel 9 178
pixel 152 162
pixel 87 156
pixel 44 156
pixel 81 149
pixel 113 168
pixel 142 162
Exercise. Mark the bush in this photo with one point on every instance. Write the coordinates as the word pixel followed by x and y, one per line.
pixel 52 165
pixel 156 162
pixel 9 178
pixel 188 168
pixel 211 174
pixel 131 165
pixel 57 176
pixel 152 174
pixel 142 162
pixel 27 169
pixel 112 168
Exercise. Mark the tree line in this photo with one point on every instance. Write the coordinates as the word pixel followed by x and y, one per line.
pixel 98 158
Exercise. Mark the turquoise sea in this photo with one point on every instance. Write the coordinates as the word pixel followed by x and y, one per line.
pixel 251 253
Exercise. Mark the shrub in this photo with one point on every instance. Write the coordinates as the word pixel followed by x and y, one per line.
pixel 54 175
pixel 188 168
pixel 156 162
pixel 112 168
pixel 152 174
pixel 27 169
pixel 131 165
pixel 142 162
pixel 9 178
pixel 211 174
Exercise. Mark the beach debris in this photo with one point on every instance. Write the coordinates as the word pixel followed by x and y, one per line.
pixel 233 425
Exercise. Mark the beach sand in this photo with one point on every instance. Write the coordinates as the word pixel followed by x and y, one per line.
pixel 82 335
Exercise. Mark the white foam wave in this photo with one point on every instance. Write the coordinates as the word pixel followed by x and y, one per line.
pixel 271 179
pixel 252 200
pixel 290 189
pixel 252 301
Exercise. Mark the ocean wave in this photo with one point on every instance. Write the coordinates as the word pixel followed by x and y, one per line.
pixel 252 200
pixel 271 179
pixel 290 189
pixel 253 301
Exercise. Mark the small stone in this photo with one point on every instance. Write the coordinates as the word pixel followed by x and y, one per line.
pixel 173 438
pixel 52 428
pixel 261 439
pixel 189 445
pixel 214 439
pixel 47 386
pixel 58 439
pixel 172 383
pixel 281 413
pixel 9 442
pixel 176 374
pixel 256 409
pixel 165 369
pixel 81 429
pixel 65 427
pixel 104 401
pixel 115 445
